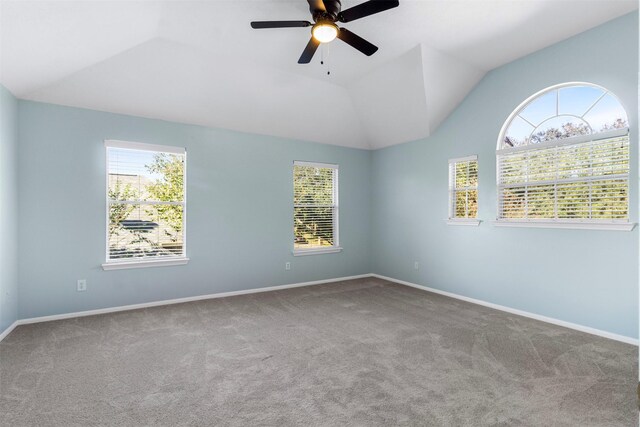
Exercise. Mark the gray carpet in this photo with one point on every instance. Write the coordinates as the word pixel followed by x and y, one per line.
pixel 364 352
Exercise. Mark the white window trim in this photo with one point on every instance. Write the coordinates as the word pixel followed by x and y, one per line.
pixel 120 265
pixel 130 145
pixel 460 221
pixel 336 229
pixel 317 251
pixel 575 224
pixel 128 263
pixel 464 221
pixel 315 165
pixel 610 134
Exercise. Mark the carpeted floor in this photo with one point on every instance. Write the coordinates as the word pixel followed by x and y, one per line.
pixel 364 352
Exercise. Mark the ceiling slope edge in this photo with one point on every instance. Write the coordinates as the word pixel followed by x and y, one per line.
pixel 447 82
pixel 409 97
pixel 391 102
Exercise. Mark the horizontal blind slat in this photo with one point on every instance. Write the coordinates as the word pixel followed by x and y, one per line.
pixel 315 204
pixel 564 181
pixel 145 201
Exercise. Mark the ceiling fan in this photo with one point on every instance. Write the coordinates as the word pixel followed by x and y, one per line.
pixel 325 14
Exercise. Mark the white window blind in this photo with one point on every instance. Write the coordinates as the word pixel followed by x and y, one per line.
pixel 146 204
pixel 315 201
pixel 579 179
pixel 463 188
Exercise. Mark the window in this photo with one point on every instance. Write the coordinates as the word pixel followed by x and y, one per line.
pixel 463 191
pixel 563 161
pixel 315 208
pixel 146 205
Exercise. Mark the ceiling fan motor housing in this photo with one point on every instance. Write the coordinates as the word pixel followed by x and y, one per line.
pixel 325 14
pixel 325 10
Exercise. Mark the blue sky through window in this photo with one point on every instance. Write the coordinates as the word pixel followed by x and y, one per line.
pixel 578 105
pixel 124 161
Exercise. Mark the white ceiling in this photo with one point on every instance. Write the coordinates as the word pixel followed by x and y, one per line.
pixel 200 62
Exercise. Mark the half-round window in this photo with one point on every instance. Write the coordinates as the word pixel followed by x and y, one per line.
pixel 563 158
pixel 561 112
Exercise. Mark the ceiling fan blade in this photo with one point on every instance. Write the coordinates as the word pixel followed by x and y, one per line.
pixel 367 8
pixel 308 52
pixel 357 42
pixel 279 24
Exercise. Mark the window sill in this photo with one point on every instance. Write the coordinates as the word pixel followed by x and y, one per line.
pixel 467 222
pixel 121 265
pixel 621 226
pixel 304 252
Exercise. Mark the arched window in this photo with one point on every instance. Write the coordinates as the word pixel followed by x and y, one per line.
pixel 563 160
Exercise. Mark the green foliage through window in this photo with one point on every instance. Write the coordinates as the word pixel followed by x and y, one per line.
pixel 585 181
pixel 315 206
pixel 463 189
pixel 146 204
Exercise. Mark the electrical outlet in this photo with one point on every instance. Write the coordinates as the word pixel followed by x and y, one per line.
pixel 416 265
pixel 82 285
pixel 287 266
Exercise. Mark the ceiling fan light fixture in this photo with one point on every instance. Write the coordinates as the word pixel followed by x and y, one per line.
pixel 325 32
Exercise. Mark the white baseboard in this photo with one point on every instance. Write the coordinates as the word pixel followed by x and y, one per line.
pixel 541 318
pixel 171 301
pixel 546 319
pixel 9 329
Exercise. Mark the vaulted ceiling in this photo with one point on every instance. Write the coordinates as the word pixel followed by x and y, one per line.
pixel 200 62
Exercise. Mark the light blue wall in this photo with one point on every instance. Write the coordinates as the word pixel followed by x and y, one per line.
pixel 583 276
pixel 8 209
pixel 392 200
pixel 239 221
